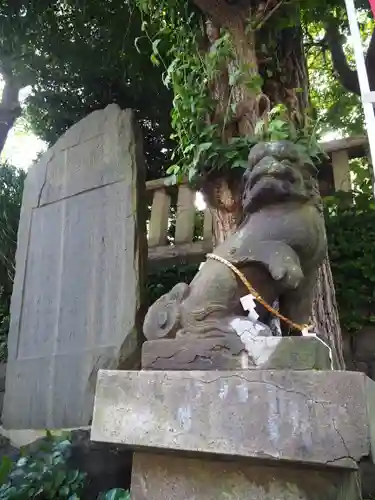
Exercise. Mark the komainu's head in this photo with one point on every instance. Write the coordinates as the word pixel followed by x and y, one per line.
pixel 278 172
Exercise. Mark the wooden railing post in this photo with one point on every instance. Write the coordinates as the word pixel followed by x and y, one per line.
pixel 341 171
pixel 185 220
pixel 207 226
pixel 159 218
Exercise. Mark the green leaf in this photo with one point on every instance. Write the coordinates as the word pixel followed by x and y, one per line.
pixel 204 146
pixel 189 148
pixel 59 478
pixel 277 125
pixel 173 169
pixel 155 45
pixel 5 468
pixel 154 60
pixel 255 83
pixel 72 476
pixel 117 494
pixel 64 491
pixel 191 173
pixel 136 44
pixel 278 109
pixel 240 164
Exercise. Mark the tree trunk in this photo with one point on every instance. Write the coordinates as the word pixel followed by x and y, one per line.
pixel 325 314
pixel 282 65
pixel 223 196
pixel 10 108
pixel 278 56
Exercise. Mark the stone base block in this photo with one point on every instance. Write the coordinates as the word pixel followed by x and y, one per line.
pixel 308 417
pixel 161 477
pixel 239 435
pixel 229 353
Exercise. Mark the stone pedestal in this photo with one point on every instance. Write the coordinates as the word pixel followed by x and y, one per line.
pixel 228 352
pixel 239 435
pixel 161 477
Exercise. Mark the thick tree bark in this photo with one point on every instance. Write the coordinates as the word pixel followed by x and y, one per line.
pixel 325 314
pixel 10 108
pixel 284 72
pixel 223 196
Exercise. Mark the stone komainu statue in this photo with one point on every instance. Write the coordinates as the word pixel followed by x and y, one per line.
pixel 278 247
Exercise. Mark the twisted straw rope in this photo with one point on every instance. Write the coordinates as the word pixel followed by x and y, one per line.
pixel 257 296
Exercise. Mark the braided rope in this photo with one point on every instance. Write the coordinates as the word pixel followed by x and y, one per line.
pixel 257 296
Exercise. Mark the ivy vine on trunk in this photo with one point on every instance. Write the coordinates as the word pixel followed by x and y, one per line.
pixel 238 73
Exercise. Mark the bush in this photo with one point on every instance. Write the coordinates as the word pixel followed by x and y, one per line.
pixel 43 474
pixel 11 188
pixel 351 241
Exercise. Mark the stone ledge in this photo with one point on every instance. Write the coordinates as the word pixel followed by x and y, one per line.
pixel 229 353
pixel 309 417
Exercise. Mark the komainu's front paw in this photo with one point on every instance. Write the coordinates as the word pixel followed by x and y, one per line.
pixel 286 268
pixel 280 259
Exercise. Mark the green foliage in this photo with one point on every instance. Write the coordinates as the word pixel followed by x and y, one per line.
pixel 79 56
pixel 160 281
pixel 42 475
pixel 200 131
pixel 337 109
pixel 11 188
pixel 350 222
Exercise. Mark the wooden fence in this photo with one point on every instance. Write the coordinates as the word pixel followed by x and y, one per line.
pixel 185 228
pixel 184 243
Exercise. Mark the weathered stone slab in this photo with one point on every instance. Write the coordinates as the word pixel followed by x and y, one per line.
pixel 229 353
pixel 157 477
pixel 79 266
pixel 310 417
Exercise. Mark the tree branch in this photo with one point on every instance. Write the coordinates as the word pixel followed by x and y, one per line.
pixel 370 61
pixel 347 76
pixel 10 108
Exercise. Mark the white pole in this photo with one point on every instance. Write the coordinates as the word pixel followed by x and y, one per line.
pixel 368 98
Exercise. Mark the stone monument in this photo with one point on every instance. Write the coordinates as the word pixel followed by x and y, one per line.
pixel 223 409
pixel 79 272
